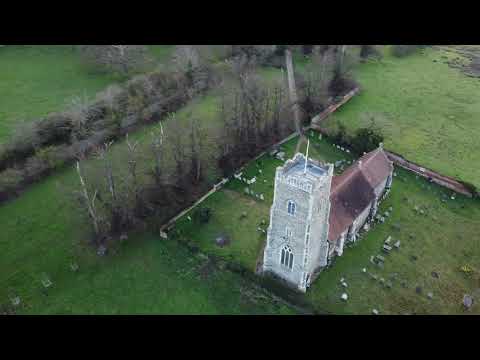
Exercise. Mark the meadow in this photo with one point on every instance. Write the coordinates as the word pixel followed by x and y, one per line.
pixel 36 80
pixel 427 111
pixel 438 236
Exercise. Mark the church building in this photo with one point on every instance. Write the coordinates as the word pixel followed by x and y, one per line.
pixel 314 213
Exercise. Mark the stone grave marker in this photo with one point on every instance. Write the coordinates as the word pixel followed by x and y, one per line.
pixel 45 280
pixel 375 312
pixel 430 295
pixel 467 301
pixel 74 266
pixel 102 250
pixel 344 297
pixel 397 244
pixel 386 248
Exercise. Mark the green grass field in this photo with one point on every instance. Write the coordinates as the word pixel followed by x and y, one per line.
pixel 444 240
pixel 427 111
pixel 38 79
pixel 42 230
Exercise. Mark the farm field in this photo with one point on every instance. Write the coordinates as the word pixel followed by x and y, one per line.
pixel 42 230
pixel 440 241
pixel 38 79
pixel 427 111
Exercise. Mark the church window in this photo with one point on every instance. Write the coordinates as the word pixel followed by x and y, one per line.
pixel 287 257
pixel 291 207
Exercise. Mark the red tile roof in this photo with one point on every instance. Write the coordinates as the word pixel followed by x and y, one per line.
pixel 353 190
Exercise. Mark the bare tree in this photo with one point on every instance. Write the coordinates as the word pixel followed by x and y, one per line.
pixel 120 58
pixel 88 201
pixel 196 146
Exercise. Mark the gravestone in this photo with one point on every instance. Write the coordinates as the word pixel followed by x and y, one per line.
pixel 386 248
pixel 388 240
pixel 375 312
pixel 467 301
pixel 163 235
pixel 344 297
pixel 430 295
pixel 222 240
pixel 397 244
pixel 102 250
pixel 74 267
pixel 45 280
pixel 123 237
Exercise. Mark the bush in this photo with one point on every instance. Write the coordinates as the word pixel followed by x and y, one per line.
pixel 10 180
pixel 366 139
pixel 367 51
pixel 404 50
pixel 202 215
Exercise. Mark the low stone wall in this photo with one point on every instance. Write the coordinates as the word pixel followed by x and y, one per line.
pixel 442 180
pixel 330 109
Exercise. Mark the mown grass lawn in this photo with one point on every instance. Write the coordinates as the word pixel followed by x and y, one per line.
pixel 427 111
pixel 442 240
pixel 38 79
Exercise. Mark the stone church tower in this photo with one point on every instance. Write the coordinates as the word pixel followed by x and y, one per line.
pixel 297 238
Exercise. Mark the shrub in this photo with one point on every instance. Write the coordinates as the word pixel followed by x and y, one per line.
pixel 10 179
pixel 202 215
pixel 367 51
pixel 404 50
pixel 366 139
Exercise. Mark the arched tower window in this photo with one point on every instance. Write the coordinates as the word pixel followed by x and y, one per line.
pixel 286 258
pixel 291 207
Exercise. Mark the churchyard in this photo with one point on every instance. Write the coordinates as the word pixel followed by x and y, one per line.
pixel 47 266
pixel 426 109
pixel 436 232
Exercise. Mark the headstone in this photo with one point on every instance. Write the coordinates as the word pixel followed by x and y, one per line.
pixel 388 284
pixel 342 280
pixel 163 235
pixel 247 191
pixel 389 238
pixel 344 284
pixel 15 300
pixel 262 197
pixel 123 237
pixel 222 240
pixel 243 215
pixel 380 258
pixel 102 250
pixel 189 218
pixel 344 297
pixel 375 312
pixel 387 248
pixel 280 156
pixel 397 244
pixel 260 171
pixel 382 281
pixel 430 295
pixel 364 270
pixel 46 282
pixel 467 301
pixel 74 266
